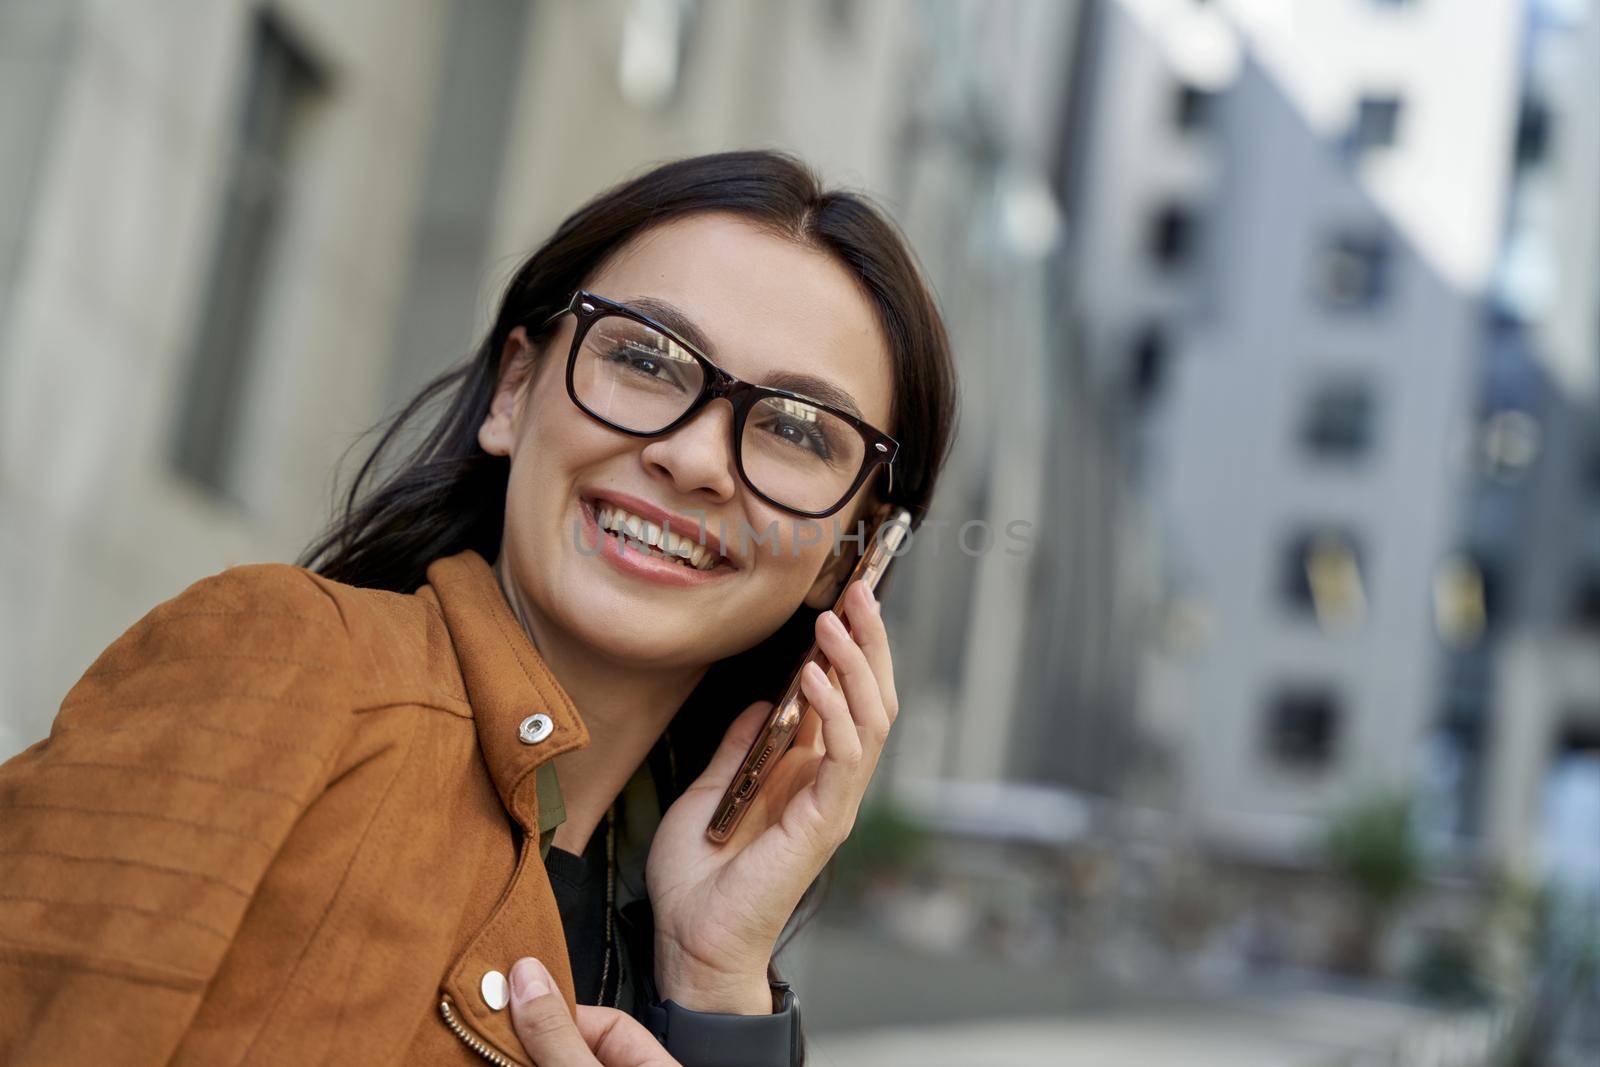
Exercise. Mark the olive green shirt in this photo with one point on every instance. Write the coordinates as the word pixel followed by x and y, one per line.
pixel 637 814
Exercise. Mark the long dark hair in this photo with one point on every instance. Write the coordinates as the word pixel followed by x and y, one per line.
pixel 447 494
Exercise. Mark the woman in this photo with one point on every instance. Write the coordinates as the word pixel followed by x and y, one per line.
pixel 420 796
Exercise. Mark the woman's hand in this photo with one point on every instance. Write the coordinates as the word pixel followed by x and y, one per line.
pixel 720 908
pixel 598 1037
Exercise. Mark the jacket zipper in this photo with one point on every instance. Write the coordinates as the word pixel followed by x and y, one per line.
pixel 470 1039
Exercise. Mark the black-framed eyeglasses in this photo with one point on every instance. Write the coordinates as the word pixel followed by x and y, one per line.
pixel 635 375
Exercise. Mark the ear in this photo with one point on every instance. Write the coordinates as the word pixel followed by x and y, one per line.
pixel 498 434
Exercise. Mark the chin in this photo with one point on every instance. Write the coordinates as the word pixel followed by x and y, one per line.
pixel 642 649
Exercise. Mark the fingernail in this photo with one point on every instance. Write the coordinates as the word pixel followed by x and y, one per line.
pixel 529 980
pixel 834 622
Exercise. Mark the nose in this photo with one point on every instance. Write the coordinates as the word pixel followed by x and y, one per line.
pixel 697 457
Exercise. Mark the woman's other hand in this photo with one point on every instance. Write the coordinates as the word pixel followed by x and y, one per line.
pixel 598 1037
pixel 720 908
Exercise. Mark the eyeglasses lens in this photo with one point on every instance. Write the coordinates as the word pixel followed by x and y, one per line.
pixel 639 379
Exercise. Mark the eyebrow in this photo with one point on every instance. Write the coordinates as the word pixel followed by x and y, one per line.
pixel 808 385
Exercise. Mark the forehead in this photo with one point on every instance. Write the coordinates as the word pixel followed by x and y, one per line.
pixel 763 304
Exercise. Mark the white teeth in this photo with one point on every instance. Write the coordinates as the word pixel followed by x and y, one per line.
pixel 669 544
pixel 679 545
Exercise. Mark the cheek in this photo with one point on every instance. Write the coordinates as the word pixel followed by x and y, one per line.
pixel 793 563
pixel 540 493
pixel 556 438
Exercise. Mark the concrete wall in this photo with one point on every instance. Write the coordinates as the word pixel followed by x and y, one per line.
pixel 117 231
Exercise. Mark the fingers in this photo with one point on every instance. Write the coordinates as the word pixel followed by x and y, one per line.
pixel 857 678
pixel 841 739
pixel 539 1016
pixel 808 738
pixel 855 711
pixel 598 1037
pixel 620 1040
pixel 866 625
pixel 841 775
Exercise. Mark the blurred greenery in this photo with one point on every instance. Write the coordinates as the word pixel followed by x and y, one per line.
pixel 1447 971
pixel 1562 985
pixel 1373 847
pixel 885 840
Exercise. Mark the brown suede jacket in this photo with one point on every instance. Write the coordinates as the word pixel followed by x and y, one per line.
pixel 269 826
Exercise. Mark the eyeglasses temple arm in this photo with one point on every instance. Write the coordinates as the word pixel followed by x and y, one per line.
pixel 571 304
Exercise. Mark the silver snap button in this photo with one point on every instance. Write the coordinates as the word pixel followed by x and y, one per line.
pixel 496 993
pixel 535 728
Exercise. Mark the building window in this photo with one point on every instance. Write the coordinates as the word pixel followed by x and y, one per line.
pixel 1353 269
pixel 1301 731
pixel 1377 123
pixel 1533 133
pixel 653 54
pixel 842 17
pixel 1191 108
pixel 1466 597
pixel 1172 236
pixel 1147 365
pixel 1322 575
pixel 1338 420
pixel 1509 444
pixel 282 81
pixel 1585 613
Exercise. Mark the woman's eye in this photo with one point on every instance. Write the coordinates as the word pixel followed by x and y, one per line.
pixel 632 359
pixel 807 437
pixel 646 364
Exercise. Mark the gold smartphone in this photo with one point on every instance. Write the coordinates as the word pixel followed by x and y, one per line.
pixel 784 721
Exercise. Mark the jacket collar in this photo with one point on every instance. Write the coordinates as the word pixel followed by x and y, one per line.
pixel 506 680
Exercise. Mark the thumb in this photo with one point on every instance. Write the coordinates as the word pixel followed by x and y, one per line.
pixel 736 743
pixel 599 1037
pixel 543 1025
pixel 620 1040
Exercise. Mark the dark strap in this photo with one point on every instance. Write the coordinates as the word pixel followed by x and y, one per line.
pixel 716 1039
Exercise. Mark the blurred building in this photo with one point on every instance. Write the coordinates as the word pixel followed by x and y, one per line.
pixel 1288 218
pixel 205 227
pixel 1525 693
pixel 237 234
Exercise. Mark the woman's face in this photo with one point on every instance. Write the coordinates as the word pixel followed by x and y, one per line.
pixel 764 305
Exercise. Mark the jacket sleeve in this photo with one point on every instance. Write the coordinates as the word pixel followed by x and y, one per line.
pixel 133 838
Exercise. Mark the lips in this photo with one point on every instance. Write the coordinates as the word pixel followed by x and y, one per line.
pixel 615 552
pixel 693 529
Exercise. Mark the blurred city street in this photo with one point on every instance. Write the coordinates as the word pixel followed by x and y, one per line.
pixel 1268 732
pixel 965 1012
pixel 1288 1030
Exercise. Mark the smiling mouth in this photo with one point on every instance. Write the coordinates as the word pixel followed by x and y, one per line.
pixel 641 535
